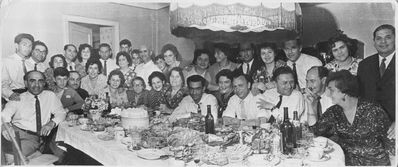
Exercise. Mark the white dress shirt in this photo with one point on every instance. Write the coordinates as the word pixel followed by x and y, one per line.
pixel 110 65
pixel 326 101
pixel 294 102
pixel 244 66
pixel 30 65
pixel 188 106
pixel 303 64
pixel 388 59
pixel 71 66
pixel 251 109
pixel 11 75
pixel 145 69
pixel 23 113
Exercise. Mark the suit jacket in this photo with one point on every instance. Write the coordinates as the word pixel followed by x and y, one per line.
pixel 376 88
pixel 253 68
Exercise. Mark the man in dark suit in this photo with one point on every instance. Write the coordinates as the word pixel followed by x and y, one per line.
pixel 250 60
pixel 376 73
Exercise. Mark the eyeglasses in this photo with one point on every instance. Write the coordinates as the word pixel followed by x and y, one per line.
pixel 43 52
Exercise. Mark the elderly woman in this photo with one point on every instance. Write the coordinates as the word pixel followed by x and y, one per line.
pixel 175 92
pixel 222 53
pixel 117 94
pixel 70 99
pixel 123 60
pixel 172 57
pixel 94 82
pixel 343 50
pixel 270 62
pixel 138 96
pixel 85 52
pixel 358 126
pixel 200 62
pixel 225 91
pixel 55 62
pixel 157 81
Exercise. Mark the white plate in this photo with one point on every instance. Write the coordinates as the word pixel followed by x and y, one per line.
pixel 325 157
pixel 150 154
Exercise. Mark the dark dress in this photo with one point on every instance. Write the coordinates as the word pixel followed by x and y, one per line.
pixel 173 101
pixel 363 142
pixel 136 99
pixel 155 98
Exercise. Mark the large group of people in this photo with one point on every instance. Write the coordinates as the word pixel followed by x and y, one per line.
pixel 349 100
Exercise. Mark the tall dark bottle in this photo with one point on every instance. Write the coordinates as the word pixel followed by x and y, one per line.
pixel 287 133
pixel 209 121
pixel 297 128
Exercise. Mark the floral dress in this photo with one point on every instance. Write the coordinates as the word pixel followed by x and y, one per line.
pixel 173 101
pixel 363 141
pixel 155 98
pixel 333 66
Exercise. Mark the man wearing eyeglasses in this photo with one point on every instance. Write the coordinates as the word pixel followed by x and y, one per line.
pixel 147 67
pixel 37 58
pixel 247 54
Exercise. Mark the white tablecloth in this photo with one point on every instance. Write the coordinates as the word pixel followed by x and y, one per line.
pixel 115 153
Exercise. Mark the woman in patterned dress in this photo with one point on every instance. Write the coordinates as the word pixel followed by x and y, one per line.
pixel 175 92
pixel 357 125
pixel 270 62
pixel 343 50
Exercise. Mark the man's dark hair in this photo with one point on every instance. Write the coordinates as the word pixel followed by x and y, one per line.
pixel 51 63
pixel 382 27
pixel 126 55
pixel 226 73
pixel 322 71
pixel 197 78
pixel 291 38
pixel 61 71
pixel 67 45
pixel 345 82
pixel 158 74
pixel 41 44
pixel 125 42
pixel 19 38
pixel 282 70
pixel 118 73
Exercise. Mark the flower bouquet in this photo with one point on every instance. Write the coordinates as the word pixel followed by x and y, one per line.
pixel 95 106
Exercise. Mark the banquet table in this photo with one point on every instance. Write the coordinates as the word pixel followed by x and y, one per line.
pixel 113 152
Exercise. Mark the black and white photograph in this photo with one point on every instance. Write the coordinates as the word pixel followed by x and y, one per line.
pixel 198 83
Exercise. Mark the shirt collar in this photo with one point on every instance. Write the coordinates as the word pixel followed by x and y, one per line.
pixel 388 58
pixel 248 97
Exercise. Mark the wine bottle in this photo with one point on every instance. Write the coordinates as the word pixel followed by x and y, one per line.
pixel 287 133
pixel 297 128
pixel 209 121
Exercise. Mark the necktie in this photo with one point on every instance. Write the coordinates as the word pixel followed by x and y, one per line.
pixel 278 105
pixel 295 75
pixel 247 68
pixel 242 110
pixel 38 115
pixel 199 110
pixel 319 109
pixel 105 67
pixel 23 66
pixel 35 67
pixel 382 67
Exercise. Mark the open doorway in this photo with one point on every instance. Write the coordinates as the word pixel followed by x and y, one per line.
pixel 79 30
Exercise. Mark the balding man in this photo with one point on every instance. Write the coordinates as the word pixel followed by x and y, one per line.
pixel 31 115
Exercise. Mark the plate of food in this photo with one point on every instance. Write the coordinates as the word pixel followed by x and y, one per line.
pixel 105 136
pixel 150 154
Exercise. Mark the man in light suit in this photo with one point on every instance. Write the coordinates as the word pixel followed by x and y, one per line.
pixel 376 73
